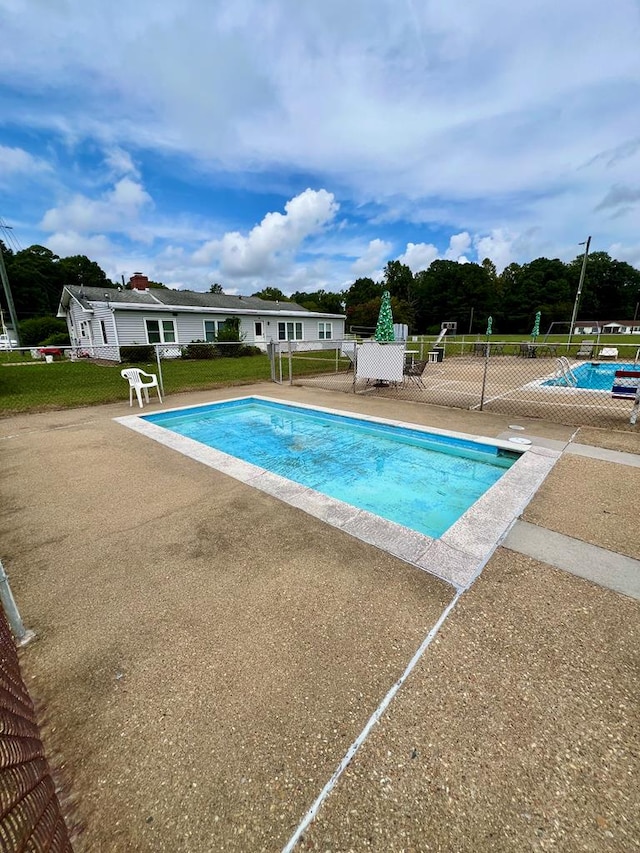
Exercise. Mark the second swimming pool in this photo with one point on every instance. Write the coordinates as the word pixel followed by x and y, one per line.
pixel 418 479
pixel 595 376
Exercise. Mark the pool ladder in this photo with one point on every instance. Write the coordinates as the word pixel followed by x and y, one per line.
pixel 564 372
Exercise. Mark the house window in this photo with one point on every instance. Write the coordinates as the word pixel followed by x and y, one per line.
pixel 289 331
pixel 161 331
pixel 85 329
pixel 104 332
pixel 212 328
pixel 324 331
pixel 258 329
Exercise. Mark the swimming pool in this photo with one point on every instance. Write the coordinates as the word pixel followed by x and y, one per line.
pixel 456 556
pixel 411 477
pixel 596 376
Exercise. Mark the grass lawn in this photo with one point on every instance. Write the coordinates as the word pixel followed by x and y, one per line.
pixel 32 386
pixel 36 386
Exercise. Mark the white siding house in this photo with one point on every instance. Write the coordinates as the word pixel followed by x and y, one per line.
pixel 608 327
pixel 102 320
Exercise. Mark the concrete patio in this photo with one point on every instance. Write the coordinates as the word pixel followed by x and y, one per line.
pixel 207 654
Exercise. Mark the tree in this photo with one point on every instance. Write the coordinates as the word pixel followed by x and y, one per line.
pixel 398 279
pixel 216 288
pixel 271 294
pixel 448 291
pixel 79 270
pixel 541 285
pixel 610 289
pixel 362 290
pixel 319 300
pixel 35 280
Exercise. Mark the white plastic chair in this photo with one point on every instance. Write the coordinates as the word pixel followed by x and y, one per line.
pixel 136 383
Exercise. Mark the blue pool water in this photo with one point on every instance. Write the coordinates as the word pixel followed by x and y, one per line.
pixel 597 377
pixel 419 480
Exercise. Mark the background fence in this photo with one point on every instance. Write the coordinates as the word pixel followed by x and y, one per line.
pixel 566 383
pixel 41 378
pixel 569 384
pixel 30 814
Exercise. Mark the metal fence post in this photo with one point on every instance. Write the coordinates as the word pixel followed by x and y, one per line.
pixel 158 360
pixel 355 365
pixel 271 352
pixel 484 374
pixel 22 634
pixel 290 364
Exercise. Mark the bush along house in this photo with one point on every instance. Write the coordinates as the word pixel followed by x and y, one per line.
pixel 101 321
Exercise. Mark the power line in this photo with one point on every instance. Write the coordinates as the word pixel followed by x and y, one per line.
pixel 9 237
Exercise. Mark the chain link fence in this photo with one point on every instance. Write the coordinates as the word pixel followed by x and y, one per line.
pixel 569 383
pixel 30 814
pixel 41 378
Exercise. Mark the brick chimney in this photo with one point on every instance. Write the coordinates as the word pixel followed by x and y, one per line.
pixel 138 281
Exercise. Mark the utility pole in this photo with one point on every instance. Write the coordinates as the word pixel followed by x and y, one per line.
pixel 578 294
pixel 9 297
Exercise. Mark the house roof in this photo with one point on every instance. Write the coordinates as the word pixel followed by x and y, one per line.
pixel 158 298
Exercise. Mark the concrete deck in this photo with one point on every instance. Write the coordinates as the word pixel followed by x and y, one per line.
pixel 207 654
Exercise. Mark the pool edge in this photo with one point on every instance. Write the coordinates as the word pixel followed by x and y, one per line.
pixel 457 557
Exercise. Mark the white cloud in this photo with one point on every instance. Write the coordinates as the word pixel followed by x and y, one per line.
pixel 97 247
pixel 119 163
pixel 17 161
pixel 370 263
pixel 419 256
pixel 522 133
pixel 497 246
pixel 117 210
pixel 459 244
pixel 274 240
pixel 630 254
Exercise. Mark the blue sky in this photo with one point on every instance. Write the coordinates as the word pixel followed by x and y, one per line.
pixel 301 144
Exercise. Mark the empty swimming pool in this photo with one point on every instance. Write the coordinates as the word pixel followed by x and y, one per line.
pixel 418 479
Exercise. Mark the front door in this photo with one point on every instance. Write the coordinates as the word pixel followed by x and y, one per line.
pixel 258 332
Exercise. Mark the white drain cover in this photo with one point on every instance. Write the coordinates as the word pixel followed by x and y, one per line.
pixel 516 439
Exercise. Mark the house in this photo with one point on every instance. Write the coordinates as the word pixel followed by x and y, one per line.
pixel 102 320
pixel 609 327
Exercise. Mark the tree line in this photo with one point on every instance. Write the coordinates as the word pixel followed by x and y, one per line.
pixel 468 294
pixel 465 294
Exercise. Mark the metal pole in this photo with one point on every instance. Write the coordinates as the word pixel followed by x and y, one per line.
pixel 580 283
pixel 22 634
pixel 484 377
pixel 158 360
pixel 9 297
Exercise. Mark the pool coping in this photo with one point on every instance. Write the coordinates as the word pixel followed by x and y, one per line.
pixel 457 557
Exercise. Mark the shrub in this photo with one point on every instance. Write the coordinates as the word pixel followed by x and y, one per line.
pixel 36 331
pixel 251 350
pixel 134 354
pixel 230 338
pixel 58 339
pixel 199 350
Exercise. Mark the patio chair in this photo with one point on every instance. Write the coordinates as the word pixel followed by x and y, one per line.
pixel 586 349
pixel 134 375
pixel 413 372
pixel 608 352
pixel 348 350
